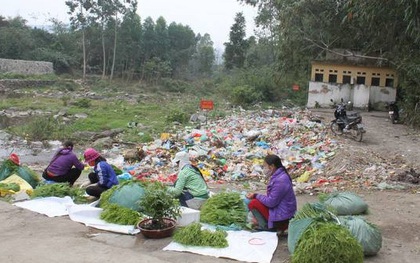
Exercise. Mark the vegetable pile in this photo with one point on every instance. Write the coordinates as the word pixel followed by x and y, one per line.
pixel 225 209
pixel 120 215
pixel 60 190
pixel 193 235
pixel 327 243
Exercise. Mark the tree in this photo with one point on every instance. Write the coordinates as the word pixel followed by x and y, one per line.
pixel 78 11
pixel 204 56
pixel 162 39
pixel 15 38
pixel 236 48
pixel 130 43
pixel 181 48
pixel 149 38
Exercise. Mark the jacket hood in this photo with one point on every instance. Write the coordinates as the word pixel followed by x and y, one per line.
pixel 64 151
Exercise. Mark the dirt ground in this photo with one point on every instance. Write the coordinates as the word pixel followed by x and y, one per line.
pixel 386 151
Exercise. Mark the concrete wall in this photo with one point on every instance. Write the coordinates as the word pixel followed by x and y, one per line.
pixel 360 95
pixel 25 67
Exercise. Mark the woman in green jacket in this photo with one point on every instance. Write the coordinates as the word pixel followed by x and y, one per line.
pixel 190 182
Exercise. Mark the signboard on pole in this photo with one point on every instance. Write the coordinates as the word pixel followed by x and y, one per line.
pixel 206 105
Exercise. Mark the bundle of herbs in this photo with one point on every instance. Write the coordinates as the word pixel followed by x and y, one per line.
pixel 327 243
pixel 193 235
pixel 60 190
pixel 120 215
pixel 225 209
pixel 309 214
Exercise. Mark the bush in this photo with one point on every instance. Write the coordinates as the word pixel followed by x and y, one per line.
pixel 245 95
pixel 83 103
pixel 174 85
pixel 177 115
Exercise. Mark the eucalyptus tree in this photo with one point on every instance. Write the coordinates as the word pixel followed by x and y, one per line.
pixel 130 44
pixel 204 56
pixel 236 48
pixel 106 13
pixel 149 39
pixel 79 12
pixel 162 39
pixel 181 48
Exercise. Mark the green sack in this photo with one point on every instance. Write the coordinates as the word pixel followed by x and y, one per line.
pixel 296 228
pixel 7 169
pixel 367 234
pixel 126 194
pixel 346 203
pixel 28 175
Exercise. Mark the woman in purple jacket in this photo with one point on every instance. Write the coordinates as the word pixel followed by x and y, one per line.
pixel 274 210
pixel 64 166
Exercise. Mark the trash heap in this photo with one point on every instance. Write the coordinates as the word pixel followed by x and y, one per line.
pixel 233 148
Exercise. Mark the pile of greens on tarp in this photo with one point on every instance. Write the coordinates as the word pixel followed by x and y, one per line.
pixel 194 235
pixel 60 190
pixel 317 234
pixel 9 168
pixel 120 203
pixel 224 209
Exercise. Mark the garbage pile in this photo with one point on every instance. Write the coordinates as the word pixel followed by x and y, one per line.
pixel 233 148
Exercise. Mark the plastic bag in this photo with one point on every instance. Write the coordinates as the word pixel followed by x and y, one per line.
pixel 127 195
pixel 296 228
pixel 367 234
pixel 28 175
pixel 346 203
pixel 7 169
pixel 24 186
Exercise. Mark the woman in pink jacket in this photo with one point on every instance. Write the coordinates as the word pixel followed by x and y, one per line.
pixel 274 209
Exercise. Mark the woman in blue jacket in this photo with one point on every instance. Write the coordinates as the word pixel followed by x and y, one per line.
pixel 103 177
pixel 274 209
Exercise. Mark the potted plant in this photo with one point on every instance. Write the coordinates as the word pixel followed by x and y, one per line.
pixel 162 210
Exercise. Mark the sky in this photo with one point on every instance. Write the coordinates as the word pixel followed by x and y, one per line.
pixel 214 17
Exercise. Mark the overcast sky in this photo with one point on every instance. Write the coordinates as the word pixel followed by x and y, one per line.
pixel 203 16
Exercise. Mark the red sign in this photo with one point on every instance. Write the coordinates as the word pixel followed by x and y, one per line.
pixel 295 87
pixel 206 104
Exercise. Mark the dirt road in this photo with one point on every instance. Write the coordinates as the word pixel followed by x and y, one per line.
pixel 31 237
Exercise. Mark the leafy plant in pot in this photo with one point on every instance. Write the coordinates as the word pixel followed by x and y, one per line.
pixel 162 209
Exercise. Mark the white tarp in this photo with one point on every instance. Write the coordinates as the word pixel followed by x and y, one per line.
pixel 50 206
pixel 90 216
pixel 243 245
pixel 87 214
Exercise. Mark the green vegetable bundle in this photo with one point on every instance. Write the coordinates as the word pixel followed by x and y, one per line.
pixel 315 210
pixel 193 235
pixel 327 243
pixel 120 215
pixel 224 209
pixel 309 214
pixel 60 190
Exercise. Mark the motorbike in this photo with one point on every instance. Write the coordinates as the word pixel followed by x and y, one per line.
pixel 347 124
pixel 393 112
